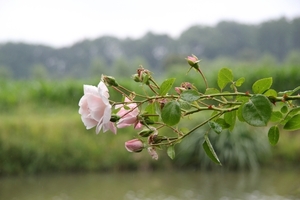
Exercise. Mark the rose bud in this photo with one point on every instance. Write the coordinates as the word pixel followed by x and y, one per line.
pixel 109 80
pixel 134 145
pixel 193 61
pixel 145 132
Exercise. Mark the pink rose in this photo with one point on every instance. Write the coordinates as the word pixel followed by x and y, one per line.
pixel 129 115
pixel 134 145
pixel 95 108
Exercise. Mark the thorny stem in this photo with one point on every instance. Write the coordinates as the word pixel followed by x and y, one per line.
pixel 176 139
pixel 151 79
pixel 206 121
pixel 130 92
pixel 152 89
pixel 203 77
pixel 175 130
pixel 212 108
pixel 117 89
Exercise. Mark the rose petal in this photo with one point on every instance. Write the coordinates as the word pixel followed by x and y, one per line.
pixel 88 122
pixel 89 89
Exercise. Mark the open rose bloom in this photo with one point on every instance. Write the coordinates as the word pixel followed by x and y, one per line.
pixel 95 109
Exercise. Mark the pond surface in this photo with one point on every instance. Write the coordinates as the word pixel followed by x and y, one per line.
pixel 163 185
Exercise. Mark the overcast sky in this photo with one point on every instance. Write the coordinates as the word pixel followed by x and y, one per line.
pixel 63 22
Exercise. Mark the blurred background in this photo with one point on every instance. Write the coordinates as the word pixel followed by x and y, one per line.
pixel 49 49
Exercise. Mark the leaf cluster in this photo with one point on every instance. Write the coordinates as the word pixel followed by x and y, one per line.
pixel 164 109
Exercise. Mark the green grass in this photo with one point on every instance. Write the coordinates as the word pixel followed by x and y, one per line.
pixel 56 140
pixel 41 131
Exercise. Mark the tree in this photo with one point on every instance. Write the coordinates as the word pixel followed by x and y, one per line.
pixel 274 37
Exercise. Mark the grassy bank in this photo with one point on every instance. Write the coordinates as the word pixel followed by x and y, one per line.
pixel 41 131
pixel 56 140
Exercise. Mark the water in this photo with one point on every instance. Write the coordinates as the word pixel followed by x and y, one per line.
pixel 166 185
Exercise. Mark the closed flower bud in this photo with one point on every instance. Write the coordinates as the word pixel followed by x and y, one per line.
pixel 145 78
pixel 109 80
pixel 134 145
pixel 179 90
pixel 147 121
pixel 145 132
pixel 193 61
pixel 136 78
pixel 114 118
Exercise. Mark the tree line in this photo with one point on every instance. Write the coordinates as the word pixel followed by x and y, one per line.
pixel 277 38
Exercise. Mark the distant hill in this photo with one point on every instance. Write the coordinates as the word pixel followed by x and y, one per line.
pixel 276 37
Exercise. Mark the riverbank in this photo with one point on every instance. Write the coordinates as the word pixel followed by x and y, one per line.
pixel 53 139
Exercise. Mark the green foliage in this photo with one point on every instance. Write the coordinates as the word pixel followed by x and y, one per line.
pixel 293 123
pixel 226 108
pixel 230 118
pixel 257 111
pixel 189 95
pixel 273 135
pixel 225 76
pixel 171 113
pixel 166 86
pixel 151 110
pixel 171 152
pixel 262 85
pixel 215 126
pixel 55 140
pixel 209 150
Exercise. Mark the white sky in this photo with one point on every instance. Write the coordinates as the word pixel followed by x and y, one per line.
pixel 63 22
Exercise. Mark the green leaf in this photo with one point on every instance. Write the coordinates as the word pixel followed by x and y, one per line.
pixel 225 76
pixel 271 92
pixel 215 126
pixel 257 111
pixel 171 113
pixel 276 116
pixel 146 78
pixel 184 130
pixel 171 152
pixel 184 104
pixel 211 91
pixel 209 150
pixel 221 122
pixel 284 109
pixel 151 109
pixel 242 99
pixel 262 85
pixel 273 135
pixel 240 113
pixel 240 81
pixel 230 118
pixel 293 123
pixel 190 95
pixel 294 111
pixel 166 86
pixel 290 114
